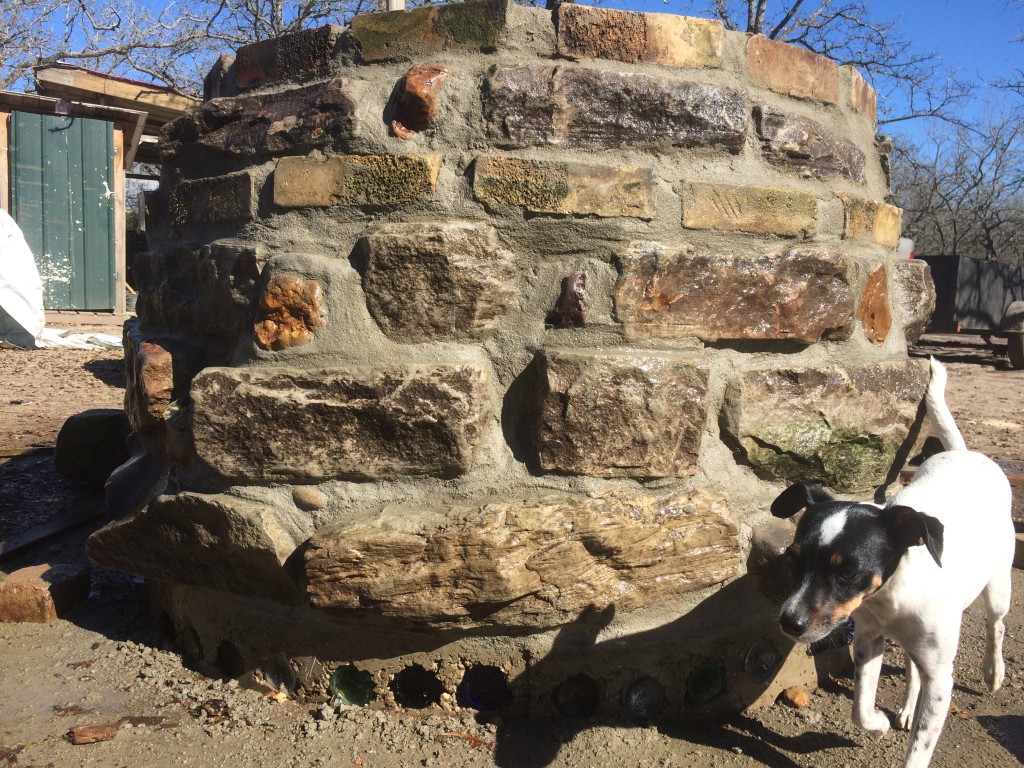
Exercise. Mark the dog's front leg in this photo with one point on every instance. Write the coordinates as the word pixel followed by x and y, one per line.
pixel 867 658
pixel 932 706
pixel 905 715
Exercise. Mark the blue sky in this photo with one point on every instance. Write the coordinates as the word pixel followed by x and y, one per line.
pixel 974 40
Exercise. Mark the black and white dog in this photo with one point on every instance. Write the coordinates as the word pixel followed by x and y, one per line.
pixel 907 571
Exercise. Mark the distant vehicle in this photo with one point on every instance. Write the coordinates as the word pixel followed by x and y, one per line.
pixel 905 250
pixel 978 296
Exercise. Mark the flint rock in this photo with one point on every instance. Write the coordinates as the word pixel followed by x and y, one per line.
pixel 535 563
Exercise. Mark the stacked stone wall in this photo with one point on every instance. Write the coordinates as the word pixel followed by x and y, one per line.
pixel 479 317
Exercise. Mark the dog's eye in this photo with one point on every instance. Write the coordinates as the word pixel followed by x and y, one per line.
pixel 847 575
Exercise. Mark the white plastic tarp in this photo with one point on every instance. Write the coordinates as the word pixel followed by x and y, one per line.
pixel 21 291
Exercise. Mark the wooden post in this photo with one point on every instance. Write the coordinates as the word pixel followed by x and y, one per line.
pixel 5 169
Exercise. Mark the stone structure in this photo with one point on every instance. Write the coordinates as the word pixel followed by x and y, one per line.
pixel 481 335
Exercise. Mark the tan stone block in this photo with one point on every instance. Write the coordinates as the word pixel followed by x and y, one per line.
pixel 758 210
pixel 620 415
pixel 863 97
pixel 684 41
pixel 574 188
pixel 784 68
pixel 289 313
pixel 869 220
pixel 41 593
pixel 874 305
pixel 382 180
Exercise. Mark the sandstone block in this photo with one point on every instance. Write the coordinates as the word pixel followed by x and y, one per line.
pixel 206 293
pixel 574 188
pixel 526 563
pixel 576 107
pixel 676 292
pixel 783 212
pixel 403 35
pixel 915 297
pixel 41 593
pixel 289 313
pixel 874 305
pixel 614 415
pixel 863 97
pixel 213 541
pixel 668 39
pixel 370 180
pixel 839 426
pixel 425 281
pixel 149 380
pixel 871 221
pixel 319 116
pixel 228 199
pixel 805 146
pixel 360 423
pixel 794 71
pixel 288 57
pixel 91 445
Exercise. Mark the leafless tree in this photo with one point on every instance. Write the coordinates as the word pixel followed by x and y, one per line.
pixel 911 82
pixel 175 46
pixel 962 191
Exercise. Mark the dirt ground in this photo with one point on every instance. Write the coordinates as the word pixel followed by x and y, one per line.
pixel 106 663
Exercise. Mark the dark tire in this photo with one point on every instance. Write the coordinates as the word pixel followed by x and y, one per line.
pixel 1015 350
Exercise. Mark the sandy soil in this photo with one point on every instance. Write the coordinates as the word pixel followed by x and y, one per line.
pixel 106 663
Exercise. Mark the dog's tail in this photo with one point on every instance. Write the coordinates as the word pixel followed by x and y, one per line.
pixel 942 420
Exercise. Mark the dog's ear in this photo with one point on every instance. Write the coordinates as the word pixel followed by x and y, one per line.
pixel 910 528
pixel 798 496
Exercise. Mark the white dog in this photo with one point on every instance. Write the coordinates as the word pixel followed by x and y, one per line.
pixel 907 571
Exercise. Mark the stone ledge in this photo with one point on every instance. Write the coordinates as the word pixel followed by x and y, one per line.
pixel 533 563
pixel 288 57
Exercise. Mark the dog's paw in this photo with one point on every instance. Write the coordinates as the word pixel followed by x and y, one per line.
pixel 904 718
pixel 875 722
pixel 994 673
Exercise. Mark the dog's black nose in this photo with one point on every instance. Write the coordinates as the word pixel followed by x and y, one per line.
pixel 794 624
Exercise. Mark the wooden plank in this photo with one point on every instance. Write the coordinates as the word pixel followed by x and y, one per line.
pixel 95 238
pixel 5 167
pixel 120 224
pixel 71 83
pixel 55 527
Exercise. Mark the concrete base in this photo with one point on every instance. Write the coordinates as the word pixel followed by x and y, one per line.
pixel 724 655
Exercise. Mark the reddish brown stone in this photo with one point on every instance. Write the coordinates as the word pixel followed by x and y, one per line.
pixel 571 308
pixel 799 295
pixel 418 92
pixel 41 593
pixel 289 313
pixel 149 380
pixel 802 145
pixel 874 305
